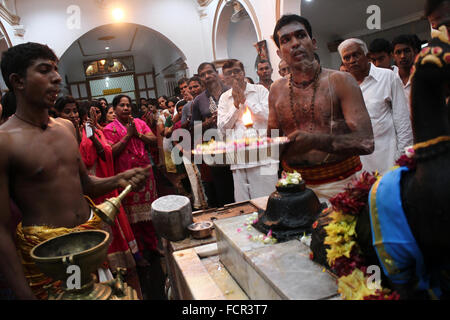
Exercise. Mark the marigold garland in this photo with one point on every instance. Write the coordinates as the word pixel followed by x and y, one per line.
pixel 344 256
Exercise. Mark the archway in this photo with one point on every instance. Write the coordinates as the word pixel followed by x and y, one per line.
pixel 235 33
pixel 5 43
pixel 127 58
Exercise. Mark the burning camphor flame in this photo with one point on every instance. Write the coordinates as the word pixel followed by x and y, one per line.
pixel 247 117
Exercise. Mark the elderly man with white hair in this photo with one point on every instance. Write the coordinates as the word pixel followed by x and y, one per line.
pixel 386 103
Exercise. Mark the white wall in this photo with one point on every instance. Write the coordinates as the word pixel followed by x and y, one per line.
pixel 261 12
pixel 178 20
pixel 241 37
pixel 266 15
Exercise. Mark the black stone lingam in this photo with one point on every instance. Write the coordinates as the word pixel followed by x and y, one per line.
pixel 291 210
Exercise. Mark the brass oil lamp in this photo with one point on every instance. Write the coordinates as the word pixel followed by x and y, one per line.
pixel 84 251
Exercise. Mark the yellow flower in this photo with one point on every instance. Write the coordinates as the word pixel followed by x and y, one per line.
pixel 340 234
pixel 337 251
pixel 354 286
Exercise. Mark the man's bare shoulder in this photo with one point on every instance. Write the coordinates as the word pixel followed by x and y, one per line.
pixel 63 122
pixel 5 140
pixel 12 124
pixel 339 77
pixel 278 85
pixel 5 146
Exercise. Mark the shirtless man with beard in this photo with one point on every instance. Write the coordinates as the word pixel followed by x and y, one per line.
pixel 41 169
pixel 322 111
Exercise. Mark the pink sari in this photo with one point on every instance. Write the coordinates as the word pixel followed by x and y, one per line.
pixel 136 204
pixel 123 237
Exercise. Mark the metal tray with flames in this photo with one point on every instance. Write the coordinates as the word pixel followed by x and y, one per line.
pixel 240 151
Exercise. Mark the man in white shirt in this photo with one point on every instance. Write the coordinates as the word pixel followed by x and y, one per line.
pixel 386 103
pixel 254 179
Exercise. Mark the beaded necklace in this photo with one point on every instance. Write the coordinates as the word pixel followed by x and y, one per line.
pixel 305 109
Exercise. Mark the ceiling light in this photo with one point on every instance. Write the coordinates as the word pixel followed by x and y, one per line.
pixel 118 14
pixel 106 48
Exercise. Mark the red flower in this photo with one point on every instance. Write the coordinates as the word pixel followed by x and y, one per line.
pixel 383 296
pixel 315 224
pixel 355 196
pixel 404 161
pixel 344 266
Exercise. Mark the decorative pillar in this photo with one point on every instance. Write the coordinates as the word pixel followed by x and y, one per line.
pixel 11 23
pixel 202 10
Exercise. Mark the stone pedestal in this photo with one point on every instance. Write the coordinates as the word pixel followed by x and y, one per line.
pixel 271 271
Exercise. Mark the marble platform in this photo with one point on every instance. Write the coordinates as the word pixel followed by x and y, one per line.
pixel 280 271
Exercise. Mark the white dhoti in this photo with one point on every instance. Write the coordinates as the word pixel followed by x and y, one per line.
pixel 200 199
pixel 255 182
pixel 327 191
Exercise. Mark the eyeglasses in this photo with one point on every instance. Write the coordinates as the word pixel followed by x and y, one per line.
pixel 232 71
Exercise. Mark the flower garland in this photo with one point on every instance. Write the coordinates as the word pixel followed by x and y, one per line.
pixel 407 160
pixel 344 256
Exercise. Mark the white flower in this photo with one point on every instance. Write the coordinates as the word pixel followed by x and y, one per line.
pixel 409 151
pixel 306 240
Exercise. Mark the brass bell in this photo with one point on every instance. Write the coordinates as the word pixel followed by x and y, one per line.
pixel 108 210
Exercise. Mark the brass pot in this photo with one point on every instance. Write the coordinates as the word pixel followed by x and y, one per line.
pixel 85 249
pixel 200 230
